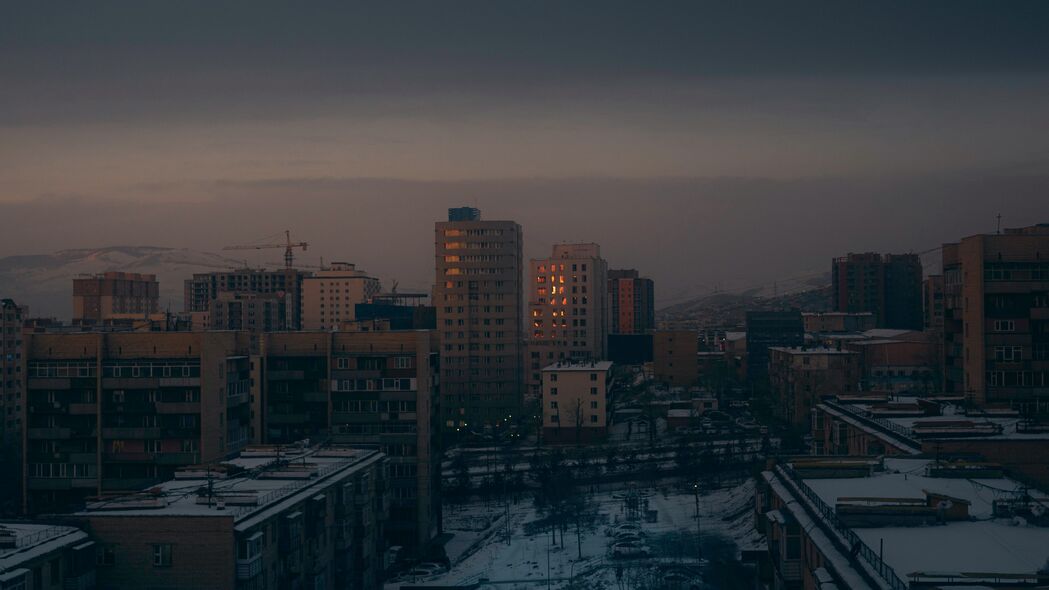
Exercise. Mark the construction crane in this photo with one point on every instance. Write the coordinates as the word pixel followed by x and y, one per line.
pixel 288 246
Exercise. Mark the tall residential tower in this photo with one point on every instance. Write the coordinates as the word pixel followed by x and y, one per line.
pixel 478 296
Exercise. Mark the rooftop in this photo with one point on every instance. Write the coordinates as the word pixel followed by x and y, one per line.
pixel 986 541
pixel 21 542
pixel 810 350
pixel 256 484
pixel 580 366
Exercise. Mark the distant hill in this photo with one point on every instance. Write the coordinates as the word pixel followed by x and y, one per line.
pixel 44 282
pixel 729 309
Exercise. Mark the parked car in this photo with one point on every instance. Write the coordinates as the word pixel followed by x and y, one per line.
pixel 629 549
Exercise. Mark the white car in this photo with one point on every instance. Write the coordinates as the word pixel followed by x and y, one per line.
pixel 623 527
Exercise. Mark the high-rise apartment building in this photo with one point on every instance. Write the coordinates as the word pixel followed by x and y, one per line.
pixel 115 295
pixel 766 329
pixel 996 317
pixel 375 388
pixel 12 317
pixel 478 295
pixel 568 311
pixel 286 284
pixel 889 286
pixel 932 302
pixel 330 296
pixel 632 301
pixel 119 411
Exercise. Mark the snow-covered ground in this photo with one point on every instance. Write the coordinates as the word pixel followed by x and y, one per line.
pixel 529 556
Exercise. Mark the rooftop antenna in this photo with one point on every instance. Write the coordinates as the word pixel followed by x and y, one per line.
pixel 999 217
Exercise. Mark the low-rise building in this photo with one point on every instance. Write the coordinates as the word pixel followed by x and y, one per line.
pixel 675 357
pixel 867 523
pixel 800 377
pixel 273 517
pixel 576 401
pixel 38 556
pixel 837 321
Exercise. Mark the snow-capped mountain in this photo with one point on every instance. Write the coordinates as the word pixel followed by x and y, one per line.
pixel 44 282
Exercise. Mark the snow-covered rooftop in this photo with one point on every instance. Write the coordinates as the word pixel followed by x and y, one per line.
pixel 981 544
pixel 266 485
pixel 35 540
pixel 581 366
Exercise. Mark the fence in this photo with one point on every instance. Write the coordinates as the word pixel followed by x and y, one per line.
pixel 830 518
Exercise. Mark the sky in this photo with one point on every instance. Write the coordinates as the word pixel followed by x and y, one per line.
pixel 747 142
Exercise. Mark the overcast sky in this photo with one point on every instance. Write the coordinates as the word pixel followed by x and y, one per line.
pixel 706 143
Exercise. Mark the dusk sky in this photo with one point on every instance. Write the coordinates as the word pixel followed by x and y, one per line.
pixel 780 133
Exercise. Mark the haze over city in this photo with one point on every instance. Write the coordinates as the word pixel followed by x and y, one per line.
pixel 524 295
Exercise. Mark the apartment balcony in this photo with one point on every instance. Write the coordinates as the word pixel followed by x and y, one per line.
pixel 177 458
pixel 285 375
pixel 61 483
pixel 129 457
pixel 89 458
pixel 83 409
pixel 130 382
pixel 127 484
pixel 123 432
pixel 46 407
pixel 178 407
pixel 237 400
pixel 49 383
pixel 315 397
pixel 249 568
pixel 49 433
pixel 289 418
pixel 137 407
pixel 180 432
pixel 180 381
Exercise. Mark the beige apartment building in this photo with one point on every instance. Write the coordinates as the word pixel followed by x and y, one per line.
pixel 109 412
pixel 996 317
pixel 576 401
pixel 568 313
pixel 115 295
pixel 478 296
pixel 330 295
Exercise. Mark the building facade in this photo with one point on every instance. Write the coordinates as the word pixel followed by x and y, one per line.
pixel 12 318
pixel 568 309
pixel 576 401
pixel 286 284
pixel 107 412
pixel 632 300
pixel 800 377
pixel 996 317
pixel 479 299
pixel 40 556
pixel 889 286
pixel 271 518
pixel 331 295
pixel 115 295
pixel 766 329
pixel 675 357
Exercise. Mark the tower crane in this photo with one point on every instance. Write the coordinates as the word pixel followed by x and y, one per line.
pixel 288 246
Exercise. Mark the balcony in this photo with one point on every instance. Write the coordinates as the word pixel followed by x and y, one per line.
pixel 178 407
pixel 236 400
pixel 83 409
pixel 177 458
pixel 315 396
pixel 289 418
pixel 49 433
pixel 285 375
pixel 180 381
pixel 129 457
pixel 249 568
pixel 130 383
pixel 48 383
pixel 123 432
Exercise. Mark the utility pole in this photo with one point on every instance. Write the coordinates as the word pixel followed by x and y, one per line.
pixel 699 531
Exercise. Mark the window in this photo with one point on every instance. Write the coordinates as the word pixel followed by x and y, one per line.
pixel 106 555
pixel 593 405
pixel 593 419
pixel 162 555
pixel 593 376
pixel 1004 326
pixel 553 391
